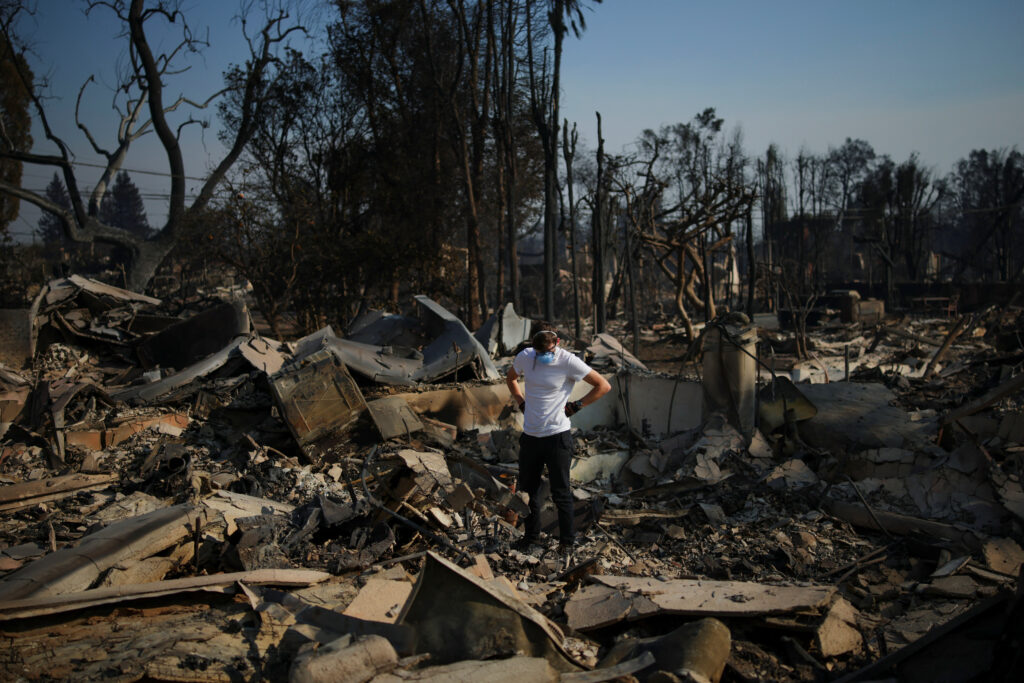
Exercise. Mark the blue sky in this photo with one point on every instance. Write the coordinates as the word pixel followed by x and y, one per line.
pixel 937 77
pixel 930 76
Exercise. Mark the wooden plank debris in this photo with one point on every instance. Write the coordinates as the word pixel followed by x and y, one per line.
pixel 18 496
pixel 617 598
pixel 1015 383
pixel 218 583
pixel 901 525
pixel 71 570
pixel 100 439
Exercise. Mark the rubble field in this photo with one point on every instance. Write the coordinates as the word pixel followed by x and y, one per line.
pixel 188 500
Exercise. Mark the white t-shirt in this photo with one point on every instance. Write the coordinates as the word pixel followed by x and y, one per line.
pixel 548 387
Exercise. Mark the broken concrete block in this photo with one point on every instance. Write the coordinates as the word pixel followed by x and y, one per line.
pixel 442 518
pixel 1011 428
pixel 837 634
pixel 951 587
pixel 380 600
pixel 144 571
pixel 430 470
pixel 442 433
pixel 393 417
pixel 1003 555
pixel 344 662
pixel 854 416
pixel 696 651
pixel 759 447
pixel 792 474
pixel 459 496
pixel 598 466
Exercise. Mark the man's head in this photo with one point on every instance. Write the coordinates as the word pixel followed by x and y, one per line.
pixel 544 343
pixel 545 340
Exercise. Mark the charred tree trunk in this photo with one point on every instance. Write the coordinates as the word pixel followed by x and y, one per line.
pixel 569 151
pixel 751 269
pixel 597 225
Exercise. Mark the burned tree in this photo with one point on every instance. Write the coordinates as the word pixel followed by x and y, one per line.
pixel 696 179
pixel 15 122
pixel 144 109
pixel 544 75
pixel 987 190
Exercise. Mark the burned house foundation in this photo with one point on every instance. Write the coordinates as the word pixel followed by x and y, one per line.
pixel 343 506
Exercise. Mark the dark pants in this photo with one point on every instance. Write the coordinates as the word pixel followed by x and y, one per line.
pixel 555 453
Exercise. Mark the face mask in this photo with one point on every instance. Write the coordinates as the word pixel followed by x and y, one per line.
pixel 547 357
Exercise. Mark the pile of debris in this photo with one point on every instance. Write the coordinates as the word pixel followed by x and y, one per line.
pixel 189 500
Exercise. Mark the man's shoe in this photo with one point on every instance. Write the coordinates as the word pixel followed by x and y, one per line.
pixel 526 543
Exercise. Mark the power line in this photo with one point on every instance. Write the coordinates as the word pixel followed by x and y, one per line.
pixel 136 170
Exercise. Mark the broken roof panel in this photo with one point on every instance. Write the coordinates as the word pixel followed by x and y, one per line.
pixel 381 329
pixel 154 390
pixel 196 337
pixel 606 349
pixel 504 331
pixel 452 349
pixel 76 283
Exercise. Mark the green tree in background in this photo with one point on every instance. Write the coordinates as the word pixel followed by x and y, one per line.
pixel 51 230
pixel 122 207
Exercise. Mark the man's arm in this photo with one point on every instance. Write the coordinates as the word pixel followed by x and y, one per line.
pixel 600 388
pixel 512 380
pixel 600 384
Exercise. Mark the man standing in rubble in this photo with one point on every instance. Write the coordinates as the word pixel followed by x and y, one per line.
pixel 550 373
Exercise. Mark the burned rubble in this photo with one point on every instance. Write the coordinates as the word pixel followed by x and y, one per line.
pixel 189 500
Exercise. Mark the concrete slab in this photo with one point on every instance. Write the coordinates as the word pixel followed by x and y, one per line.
pixel 854 416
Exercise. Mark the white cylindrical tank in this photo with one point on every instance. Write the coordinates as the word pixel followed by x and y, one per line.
pixel 730 370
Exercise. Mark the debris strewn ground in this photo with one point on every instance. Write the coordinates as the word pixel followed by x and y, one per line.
pixel 189 500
